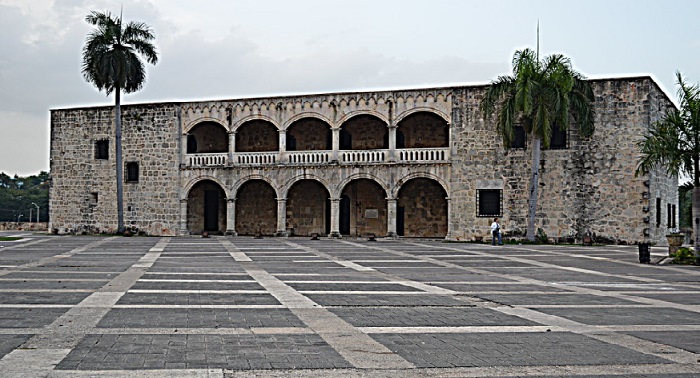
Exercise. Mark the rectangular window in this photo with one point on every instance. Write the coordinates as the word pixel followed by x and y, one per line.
pixel 518 138
pixel 488 202
pixel 132 172
pixel 658 212
pixel 673 216
pixel 559 139
pixel 102 149
pixel 668 215
pixel 92 201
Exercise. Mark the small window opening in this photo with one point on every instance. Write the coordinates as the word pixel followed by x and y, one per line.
pixel 132 172
pixel 559 139
pixel 102 149
pixel 519 138
pixel 488 202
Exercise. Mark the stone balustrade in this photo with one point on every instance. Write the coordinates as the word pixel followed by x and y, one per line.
pixel 255 158
pixel 207 160
pixel 363 156
pixel 404 155
pixel 309 157
pixel 408 155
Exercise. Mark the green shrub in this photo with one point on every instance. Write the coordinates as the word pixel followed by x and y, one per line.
pixel 684 256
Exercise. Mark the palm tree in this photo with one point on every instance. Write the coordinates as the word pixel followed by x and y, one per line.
pixel 673 144
pixel 111 62
pixel 537 96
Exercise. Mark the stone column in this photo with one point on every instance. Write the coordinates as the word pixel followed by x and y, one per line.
pixel 183 150
pixel 282 156
pixel 183 217
pixel 281 217
pixel 335 218
pixel 391 206
pixel 231 146
pixel 450 232
pixel 336 143
pixel 392 143
pixel 231 217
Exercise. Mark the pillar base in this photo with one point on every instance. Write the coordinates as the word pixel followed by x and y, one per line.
pixel 231 233
pixel 335 234
pixel 281 234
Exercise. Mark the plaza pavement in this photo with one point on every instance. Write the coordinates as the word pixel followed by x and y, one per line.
pixel 82 306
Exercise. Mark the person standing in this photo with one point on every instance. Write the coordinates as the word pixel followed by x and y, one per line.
pixel 496 232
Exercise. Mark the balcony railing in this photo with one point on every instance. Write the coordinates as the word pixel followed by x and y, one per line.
pixel 403 155
pixel 207 160
pixel 410 155
pixel 309 157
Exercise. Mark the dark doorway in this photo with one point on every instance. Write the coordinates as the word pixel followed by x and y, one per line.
pixel 211 210
pixel 400 211
pixel 344 215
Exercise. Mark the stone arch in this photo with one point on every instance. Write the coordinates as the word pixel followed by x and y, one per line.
pixel 190 184
pixel 199 120
pixel 422 209
pixel 308 208
pixel 400 117
pixel 422 129
pixel 254 117
pixel 338 189
pixel 309 134
pixel 206 207
pixel 426 175
pixel 364 131
pixel 303 115
pixel 237 185
pixel 284 190
pixel 356 113
pixel 207 137
pixel 256 208
pixel 257 135
pixel 362 208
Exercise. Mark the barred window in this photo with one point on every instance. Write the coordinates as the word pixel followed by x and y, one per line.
pixel 519 138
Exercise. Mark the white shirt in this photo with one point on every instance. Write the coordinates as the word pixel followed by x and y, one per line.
pixel 494 226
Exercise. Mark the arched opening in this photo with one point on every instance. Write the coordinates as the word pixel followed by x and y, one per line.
pixel 257 136
pixel 364 132
pixel 423 130
pixel 308 134
pixel 207 137
pixel 308 208
pixel 364 210
pixel 206 208
pixel 422 209
pixel 256 208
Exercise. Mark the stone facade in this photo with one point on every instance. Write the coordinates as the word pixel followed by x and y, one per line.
pixel 412 163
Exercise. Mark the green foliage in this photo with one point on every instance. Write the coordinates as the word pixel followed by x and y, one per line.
pixel 684 256
pixel 685 205
pixel 18 193
pixel 541 237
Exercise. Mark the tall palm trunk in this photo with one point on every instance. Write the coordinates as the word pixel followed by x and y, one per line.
pixel 534 185
pixel 696 218
pixel 118 155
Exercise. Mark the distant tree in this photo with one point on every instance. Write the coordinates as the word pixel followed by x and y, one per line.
pixel 673 144
pixel 18 199
pixel 111 63
pixel 539 95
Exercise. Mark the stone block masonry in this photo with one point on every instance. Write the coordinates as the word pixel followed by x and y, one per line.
pixel 409 163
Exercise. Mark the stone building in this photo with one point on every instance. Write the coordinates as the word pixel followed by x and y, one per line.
pixel 410 163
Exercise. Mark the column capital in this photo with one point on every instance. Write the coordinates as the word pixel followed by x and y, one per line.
pixel 183 200
pixel 231 200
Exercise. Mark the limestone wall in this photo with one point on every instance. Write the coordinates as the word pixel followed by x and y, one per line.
pixel 83 192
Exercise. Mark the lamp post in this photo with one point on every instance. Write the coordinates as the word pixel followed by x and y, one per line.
pixel 19 217
pixel 37 212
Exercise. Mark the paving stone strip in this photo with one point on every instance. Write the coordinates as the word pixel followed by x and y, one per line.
pixel 46 349
pixel 356 347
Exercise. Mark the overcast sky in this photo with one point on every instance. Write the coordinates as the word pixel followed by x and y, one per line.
pixel 229 49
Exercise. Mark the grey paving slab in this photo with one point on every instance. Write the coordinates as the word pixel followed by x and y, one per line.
pixel 67 298
pixel 427 316
pixel 509 288
pixel 351 287
pixel 131 352
pixel 686 298
pixel 503 349
pixel 198 318
pixel 22 317
pixel 625 316
pixel 556 299
pixel 373 300
pixel 8 343
pixel 203 285
pixel 688 340
pixel 196 299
